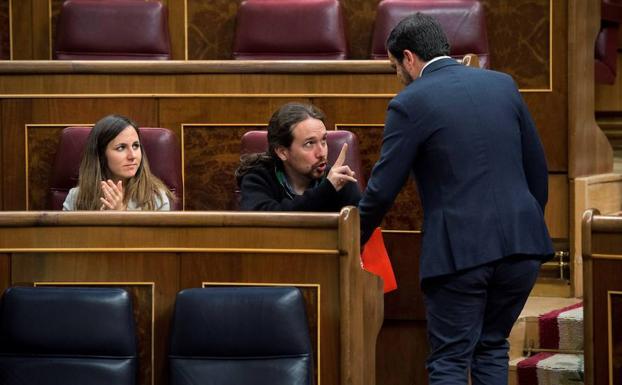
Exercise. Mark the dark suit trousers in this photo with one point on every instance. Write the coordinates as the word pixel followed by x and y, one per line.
pixel 470 315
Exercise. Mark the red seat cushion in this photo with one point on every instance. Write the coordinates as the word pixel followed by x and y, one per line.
pixel 463 21
pixel 112 30
pixel 290 29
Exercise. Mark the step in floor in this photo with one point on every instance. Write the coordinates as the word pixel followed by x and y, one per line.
pixel 525 330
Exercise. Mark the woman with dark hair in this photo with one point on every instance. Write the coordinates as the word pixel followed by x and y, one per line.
pixel 293 174
pixel 115 173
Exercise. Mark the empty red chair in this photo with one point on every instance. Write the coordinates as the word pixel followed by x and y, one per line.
pixel 606 48
pixel 290 29
pixel 463 22
pixel 606 53
pixel 161 147
pixel 112 30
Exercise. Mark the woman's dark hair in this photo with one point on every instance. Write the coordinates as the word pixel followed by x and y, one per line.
pixel 280 129
pixel 421 34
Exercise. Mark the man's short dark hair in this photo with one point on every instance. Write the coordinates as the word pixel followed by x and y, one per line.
pixel 420 34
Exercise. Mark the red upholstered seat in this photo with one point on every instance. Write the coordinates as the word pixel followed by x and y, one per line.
pixel 290 29
pixel 5 51
pixel 112 30
pixel 611 10
pixel 463 21
pixel 606 53
pixel 161 147
pixel 257 141
pixel 606 48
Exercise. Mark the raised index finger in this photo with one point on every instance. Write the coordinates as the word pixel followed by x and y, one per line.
pixel 342 156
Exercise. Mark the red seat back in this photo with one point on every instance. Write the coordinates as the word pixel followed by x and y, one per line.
pixel 463 21
pixel 112 30
pixel 290 29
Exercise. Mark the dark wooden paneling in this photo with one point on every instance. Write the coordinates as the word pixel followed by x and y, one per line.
pixel 5 271
pixel 177 28
pixel 16 114
pixel 521 26
pixel 549 115
pixel 358 111
pixel 22 29
pixel 41 30
pixel 2 158
pixel 253 110
pixel 211 155
pixel 42 142
pixel 606 278
pixel 211 28
pixel 5 32
pixel 607 243
pixel 602 255
pixel 615 321
pixel 405 303
pixel 401 352
pixel 590 151
pixel 360 16
pixel 134 272
pixel 55 9
pixel 550 109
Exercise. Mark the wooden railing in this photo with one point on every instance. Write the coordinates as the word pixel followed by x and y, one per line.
pixel 154 255
pixel 602 269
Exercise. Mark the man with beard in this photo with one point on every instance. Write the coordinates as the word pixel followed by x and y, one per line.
pixel 293 175
pixel 468 138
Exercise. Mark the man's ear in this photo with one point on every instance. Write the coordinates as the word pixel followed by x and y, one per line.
pixel 281 152
pixel 410 58
pixel 412 63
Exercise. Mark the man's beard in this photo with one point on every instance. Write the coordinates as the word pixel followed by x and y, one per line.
pixel 314 173
pixel 407 78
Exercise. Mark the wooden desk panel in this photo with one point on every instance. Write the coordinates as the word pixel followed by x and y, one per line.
pixel 158 254
pixel 602 265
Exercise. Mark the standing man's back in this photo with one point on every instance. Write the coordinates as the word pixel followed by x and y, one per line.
pixel 469 139
pixel 475 176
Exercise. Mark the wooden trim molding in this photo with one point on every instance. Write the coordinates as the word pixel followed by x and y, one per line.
pixel 610 294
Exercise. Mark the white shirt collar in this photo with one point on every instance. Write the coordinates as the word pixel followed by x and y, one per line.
pixel 432 61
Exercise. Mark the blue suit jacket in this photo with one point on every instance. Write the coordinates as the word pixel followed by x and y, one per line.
pixel 468 137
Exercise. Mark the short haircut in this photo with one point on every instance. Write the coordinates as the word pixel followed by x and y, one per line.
pixel 420 34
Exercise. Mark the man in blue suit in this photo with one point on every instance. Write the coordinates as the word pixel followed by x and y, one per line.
pixel 468 138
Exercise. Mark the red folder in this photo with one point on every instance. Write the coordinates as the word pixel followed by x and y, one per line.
pixel 376 260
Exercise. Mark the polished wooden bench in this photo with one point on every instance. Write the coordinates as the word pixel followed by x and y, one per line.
pixel 602 275
pixel 154 255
